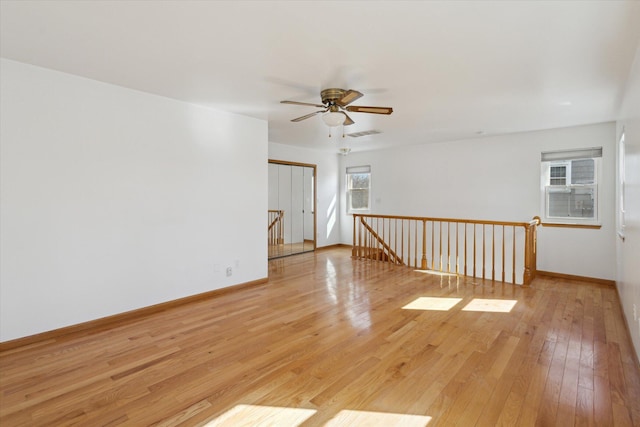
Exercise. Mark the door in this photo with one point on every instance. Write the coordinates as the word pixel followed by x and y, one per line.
pixel 292 189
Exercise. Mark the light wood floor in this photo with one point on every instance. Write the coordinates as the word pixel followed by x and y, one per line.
pixel 327 342
pixel 286 249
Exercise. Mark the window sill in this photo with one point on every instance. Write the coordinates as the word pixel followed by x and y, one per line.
pixel 571 225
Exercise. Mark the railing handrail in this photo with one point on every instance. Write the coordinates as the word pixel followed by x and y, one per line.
pixel 460 220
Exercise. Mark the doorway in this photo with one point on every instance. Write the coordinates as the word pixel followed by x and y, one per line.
pixel 291 212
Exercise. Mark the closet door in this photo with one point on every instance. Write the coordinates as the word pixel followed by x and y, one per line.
pixel 273 187
pixel 291 192
pixel 309 204
pixel 284 200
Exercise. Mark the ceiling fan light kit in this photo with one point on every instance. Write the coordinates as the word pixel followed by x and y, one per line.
pixel 334 118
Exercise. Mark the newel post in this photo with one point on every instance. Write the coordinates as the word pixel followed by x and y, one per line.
pixel 530 249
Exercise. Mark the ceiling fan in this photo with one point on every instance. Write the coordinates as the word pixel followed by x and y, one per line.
pixel 335 104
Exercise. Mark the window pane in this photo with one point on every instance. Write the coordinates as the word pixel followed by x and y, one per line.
pixel 359 180
pixel 360 199
pixel 558 175
pixel 571 202
pixel 583 171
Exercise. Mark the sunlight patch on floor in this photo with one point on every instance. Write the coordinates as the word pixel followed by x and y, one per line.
pixel 436 273
pixel 348 417
pixel 256 415
pixel 432 303
pixel 490 305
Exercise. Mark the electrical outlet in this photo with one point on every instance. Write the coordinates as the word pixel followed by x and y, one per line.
pixel 229 271
pixel 216 268
pixel 237 262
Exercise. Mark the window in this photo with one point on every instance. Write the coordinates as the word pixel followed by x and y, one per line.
pixel 358 188
pixel 570 185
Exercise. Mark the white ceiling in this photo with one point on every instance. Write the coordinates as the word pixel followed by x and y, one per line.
pixel 450 70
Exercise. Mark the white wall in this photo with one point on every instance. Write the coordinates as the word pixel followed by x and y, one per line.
pixel 113 199
pixel 628 277
pixel 495 178
pixel 327 212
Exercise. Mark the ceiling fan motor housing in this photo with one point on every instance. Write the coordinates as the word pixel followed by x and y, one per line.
pixel 330 96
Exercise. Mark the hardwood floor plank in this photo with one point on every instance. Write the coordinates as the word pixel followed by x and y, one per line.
pixel 567 400
pixel 584 407
pixel 603 407
pixel 328 340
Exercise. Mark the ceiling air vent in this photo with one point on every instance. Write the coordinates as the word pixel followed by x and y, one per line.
pixel 363 133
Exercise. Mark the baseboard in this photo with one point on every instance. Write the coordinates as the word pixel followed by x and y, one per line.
pixel 606 282
pixel 336 246
pixel 97 325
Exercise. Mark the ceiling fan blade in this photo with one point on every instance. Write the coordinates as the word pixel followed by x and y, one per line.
pixel 299 119
pixel 373 110
pixel 302 103
pixel 347 120
pixel 348 97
